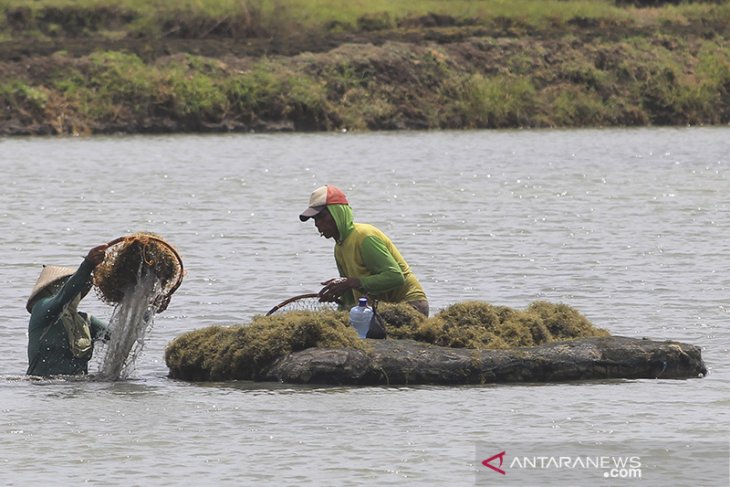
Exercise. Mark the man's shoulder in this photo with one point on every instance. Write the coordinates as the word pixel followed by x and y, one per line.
pixel 367 229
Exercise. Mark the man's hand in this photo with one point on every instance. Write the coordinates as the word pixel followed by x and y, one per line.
pixel 334 288
pixel 97 254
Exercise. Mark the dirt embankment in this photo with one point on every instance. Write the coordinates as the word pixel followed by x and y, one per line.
pixel 430 74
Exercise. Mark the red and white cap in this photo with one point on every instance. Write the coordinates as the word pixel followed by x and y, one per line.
pixel 320 198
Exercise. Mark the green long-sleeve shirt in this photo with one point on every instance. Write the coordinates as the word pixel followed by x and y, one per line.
pixel 365 252
pixel 49 352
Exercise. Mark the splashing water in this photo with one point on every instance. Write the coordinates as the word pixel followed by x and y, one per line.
pixel 131 319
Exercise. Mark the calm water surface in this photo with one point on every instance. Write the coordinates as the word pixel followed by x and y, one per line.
pixel 631 227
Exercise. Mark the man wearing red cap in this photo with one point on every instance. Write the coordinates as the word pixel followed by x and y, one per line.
pixel 367 260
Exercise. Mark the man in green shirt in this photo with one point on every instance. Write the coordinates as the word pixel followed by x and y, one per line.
pixel 60 338
pixel 367 260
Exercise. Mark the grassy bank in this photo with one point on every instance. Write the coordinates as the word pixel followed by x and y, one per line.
pixel 94 66
pixel 260 18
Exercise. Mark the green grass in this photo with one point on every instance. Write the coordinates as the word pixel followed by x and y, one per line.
pixel 535 63
pixel 243 18
pixel 649 84
pixel 17 94
pixel 497 102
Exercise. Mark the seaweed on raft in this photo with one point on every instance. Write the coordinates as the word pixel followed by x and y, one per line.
pixel 243 351
pixel 223 352
pixel 480 325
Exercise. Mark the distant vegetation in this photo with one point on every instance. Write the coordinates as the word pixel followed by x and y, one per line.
pixel 102 66
pixel 257 18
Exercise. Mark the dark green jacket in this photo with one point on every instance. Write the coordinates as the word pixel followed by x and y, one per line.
pixel 49 352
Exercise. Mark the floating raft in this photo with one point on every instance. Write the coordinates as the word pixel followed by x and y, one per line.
pixel 409 362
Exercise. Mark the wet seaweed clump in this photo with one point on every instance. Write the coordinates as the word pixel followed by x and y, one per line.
pixel 220 353
pixel 480 325
pixel 131 257
pixel 242 351
pixel 400 318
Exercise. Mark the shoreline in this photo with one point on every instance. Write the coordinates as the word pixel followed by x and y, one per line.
pixel 583 73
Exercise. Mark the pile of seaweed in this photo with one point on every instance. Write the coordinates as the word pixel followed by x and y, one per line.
pixel 130 257
pixel 224 352
pixel 480 325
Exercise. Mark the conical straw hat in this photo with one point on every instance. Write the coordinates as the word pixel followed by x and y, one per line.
pixel 49 275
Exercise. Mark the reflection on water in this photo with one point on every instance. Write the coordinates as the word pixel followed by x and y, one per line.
pixel 628 226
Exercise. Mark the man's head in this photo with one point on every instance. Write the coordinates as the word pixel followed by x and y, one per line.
pixel 321 198
pixel 326 224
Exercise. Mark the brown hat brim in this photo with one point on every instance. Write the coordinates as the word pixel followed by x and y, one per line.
pixel 50 274
pixel 310 212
